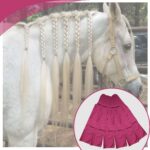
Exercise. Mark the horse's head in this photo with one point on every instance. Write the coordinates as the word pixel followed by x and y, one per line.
pixel 114 55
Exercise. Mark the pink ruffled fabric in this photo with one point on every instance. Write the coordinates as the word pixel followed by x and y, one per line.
pixel 113 124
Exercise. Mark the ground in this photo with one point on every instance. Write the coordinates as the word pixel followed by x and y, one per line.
pixel 54 136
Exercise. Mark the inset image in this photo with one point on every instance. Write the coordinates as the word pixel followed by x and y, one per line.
pixel 111 118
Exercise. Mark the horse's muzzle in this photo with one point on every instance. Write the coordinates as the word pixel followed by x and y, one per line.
pixel 135 87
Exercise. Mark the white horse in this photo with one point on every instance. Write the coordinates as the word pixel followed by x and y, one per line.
pixel 21 129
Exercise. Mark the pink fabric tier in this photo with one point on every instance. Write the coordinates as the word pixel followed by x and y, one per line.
pixel 113 124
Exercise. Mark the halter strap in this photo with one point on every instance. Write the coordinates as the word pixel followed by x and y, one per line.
pixel 112 33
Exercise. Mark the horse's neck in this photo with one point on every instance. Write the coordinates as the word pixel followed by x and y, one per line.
pixel 99 27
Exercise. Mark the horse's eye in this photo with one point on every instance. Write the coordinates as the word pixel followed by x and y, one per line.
pixel 127 46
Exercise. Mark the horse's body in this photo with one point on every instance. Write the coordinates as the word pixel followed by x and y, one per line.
pixel 21 129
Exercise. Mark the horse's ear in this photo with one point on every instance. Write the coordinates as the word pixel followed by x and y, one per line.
pixel 115 11
pixel 106 8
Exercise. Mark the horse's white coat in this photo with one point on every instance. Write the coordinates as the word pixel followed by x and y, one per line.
pixel 22 130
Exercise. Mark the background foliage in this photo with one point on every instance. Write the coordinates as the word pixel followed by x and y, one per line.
pixel 135 12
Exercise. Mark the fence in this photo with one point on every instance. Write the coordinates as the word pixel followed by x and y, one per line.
pixel 99 82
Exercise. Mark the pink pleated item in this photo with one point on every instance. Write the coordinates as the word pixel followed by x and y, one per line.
pixel 112 124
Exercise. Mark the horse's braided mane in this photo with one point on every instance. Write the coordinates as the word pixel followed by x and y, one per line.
pixel 59 15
